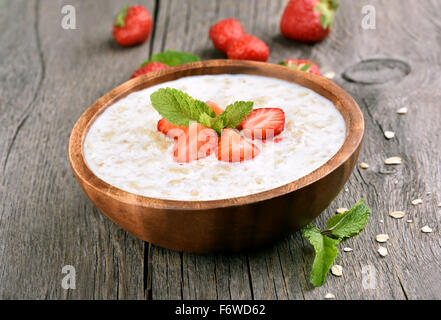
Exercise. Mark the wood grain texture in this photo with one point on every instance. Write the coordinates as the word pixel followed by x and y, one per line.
pixel 46 221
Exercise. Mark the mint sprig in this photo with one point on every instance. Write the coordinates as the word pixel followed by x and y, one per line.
pixel 172 58
pixel 179 108
pixel 339 227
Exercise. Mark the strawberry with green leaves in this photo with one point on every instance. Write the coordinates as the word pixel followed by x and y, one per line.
pixel 302 65
pixel 163 60
pixel 132 25
pixel 149 67
pixel 308 20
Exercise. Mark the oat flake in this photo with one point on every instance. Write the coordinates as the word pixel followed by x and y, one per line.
pixel 402 110
pixel 393 160
pixel 417 202
pixel 382 251
pixel 397 214
pixel 389 134
pixel 382 238
pixel 337 270
pixel 364 165
pixel 329 296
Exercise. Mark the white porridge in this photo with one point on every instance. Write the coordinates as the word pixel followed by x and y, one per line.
pixel 124 148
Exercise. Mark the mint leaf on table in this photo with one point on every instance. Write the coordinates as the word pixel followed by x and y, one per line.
pixel 349 223
pixel 339 227
pixel 172 58
pixel 325 254
pixel 178 107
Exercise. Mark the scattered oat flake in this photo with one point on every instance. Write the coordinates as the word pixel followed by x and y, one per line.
pixel 389 134
pixel 364 165
pixel 397 214
pixel 341 210
pixel 409 221
pixel 329 74
pixel 417 202
pixel 329 296
pixel 382 251
pixel 381 221
pixel 393 160
pixel 439 205
pixel 426 229
pixel 382 238
pixel 402 110
pixel 337 270
pixel 347 249
pixel 347 189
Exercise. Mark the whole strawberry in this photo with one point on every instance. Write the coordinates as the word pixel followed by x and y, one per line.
pixel 132 25
pixel 149 67
pixel 248 47
pixel 308 20
pixel 302 65
pixel 225 32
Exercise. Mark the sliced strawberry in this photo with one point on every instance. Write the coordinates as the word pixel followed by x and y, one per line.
pixel 264 123
pixel 196 143
pixel 215 107
pixel 233 148
pixel 169 129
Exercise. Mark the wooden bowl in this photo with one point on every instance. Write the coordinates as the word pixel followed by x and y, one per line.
pixel 231 224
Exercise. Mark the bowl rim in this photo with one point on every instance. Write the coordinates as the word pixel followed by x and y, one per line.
pixel 345 104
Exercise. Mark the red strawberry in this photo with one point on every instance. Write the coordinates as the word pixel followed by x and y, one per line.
pixel 264 123
pixel 169 129
pixel 248 47
pixel 303 65
pixel 233 148
pixel 308 20
pixel 225 32
pixel 151 66
pixel 196 143
pixel 132 25
pixel 214 106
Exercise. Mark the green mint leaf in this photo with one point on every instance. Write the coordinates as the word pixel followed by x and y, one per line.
pixel 178 107
pixel 121 17
pixel 172 58
pixel 235 113
pixel 206 120
pixel 305 67
pixel 283 63
pixel 325 254
pixel 350 223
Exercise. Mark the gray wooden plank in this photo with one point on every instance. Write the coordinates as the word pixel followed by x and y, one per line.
pixel 48 78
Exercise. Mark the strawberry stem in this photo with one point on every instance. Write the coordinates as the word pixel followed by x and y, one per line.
pixel 327 9
pixel 121 17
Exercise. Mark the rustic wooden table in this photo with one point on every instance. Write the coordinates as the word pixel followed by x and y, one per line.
pixel 49 76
